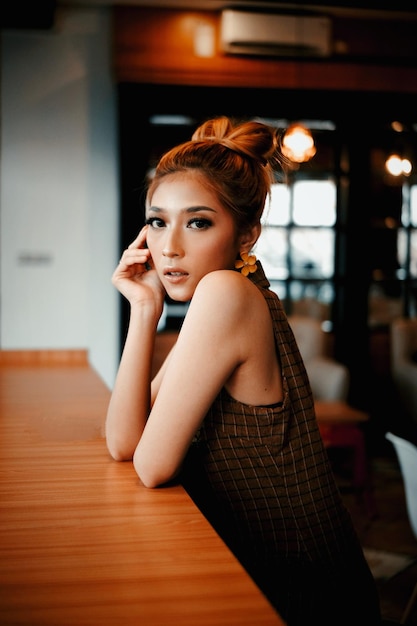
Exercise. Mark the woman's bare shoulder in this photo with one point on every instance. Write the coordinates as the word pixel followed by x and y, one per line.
pixel 223 283
pixel 229 293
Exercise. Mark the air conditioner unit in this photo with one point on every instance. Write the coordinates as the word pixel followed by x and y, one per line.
pixel 271 34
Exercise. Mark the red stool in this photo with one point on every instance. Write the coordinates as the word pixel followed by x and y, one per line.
pixel 339 428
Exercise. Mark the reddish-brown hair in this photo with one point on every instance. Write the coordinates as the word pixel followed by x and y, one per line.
pixel 236 162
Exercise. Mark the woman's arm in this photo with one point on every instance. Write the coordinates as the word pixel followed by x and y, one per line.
pixel 157 380
pixel 207 352
pixel 130 400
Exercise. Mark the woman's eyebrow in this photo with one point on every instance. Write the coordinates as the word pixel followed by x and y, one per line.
pixel 195 209
pixel 191 209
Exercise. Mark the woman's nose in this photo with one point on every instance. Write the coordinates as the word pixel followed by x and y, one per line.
pixel 169 253
pixel 172 247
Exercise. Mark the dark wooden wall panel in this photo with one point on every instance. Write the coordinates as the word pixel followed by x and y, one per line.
pixel 156 46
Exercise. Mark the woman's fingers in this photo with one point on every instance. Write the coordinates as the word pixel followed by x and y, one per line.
pixel 135 255
pixel 134 266
pixel 137 251
pixel 140 241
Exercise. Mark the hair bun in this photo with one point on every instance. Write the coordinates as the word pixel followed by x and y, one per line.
pixel 250 139
pixel 213 130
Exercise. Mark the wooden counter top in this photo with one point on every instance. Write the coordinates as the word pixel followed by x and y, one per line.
pixel 82 542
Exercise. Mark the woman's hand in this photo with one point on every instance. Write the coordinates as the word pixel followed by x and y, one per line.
pixel 135 276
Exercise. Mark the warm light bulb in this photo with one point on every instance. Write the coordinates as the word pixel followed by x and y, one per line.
pixel 397 166
pixel 298 144
pixel 407 167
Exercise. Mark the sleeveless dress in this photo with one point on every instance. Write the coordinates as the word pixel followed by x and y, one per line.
pixel 262 477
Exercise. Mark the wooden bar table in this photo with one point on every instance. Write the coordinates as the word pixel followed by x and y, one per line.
pixel 82 542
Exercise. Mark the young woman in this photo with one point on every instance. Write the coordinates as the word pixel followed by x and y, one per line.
pixel 231 414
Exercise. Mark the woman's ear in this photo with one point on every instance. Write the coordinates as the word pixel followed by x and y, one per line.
pixel 250 237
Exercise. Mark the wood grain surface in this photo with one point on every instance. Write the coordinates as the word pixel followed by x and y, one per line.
pixel 82 542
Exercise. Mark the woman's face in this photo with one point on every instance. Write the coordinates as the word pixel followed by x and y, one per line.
pixel 189 234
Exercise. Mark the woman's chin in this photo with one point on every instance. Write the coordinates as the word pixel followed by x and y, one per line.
pixel 178 294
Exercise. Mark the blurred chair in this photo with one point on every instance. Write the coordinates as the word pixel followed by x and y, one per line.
pixel 340 424
pixel 407 458
pixel 329 379
pixel 403 346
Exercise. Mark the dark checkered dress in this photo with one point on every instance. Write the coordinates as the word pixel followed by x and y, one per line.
pixel 262 477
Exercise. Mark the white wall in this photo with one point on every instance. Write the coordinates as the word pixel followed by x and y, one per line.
pixel 59 189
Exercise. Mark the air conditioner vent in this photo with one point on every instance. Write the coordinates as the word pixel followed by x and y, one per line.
pixel 271 34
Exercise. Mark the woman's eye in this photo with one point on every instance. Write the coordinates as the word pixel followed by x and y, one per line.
pixel 199 223
pixel 155 222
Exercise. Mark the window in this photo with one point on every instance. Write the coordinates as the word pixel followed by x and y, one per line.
pixel 297 245
pixel 407 247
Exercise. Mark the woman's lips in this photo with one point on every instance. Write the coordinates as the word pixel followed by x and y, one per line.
pixel 175 275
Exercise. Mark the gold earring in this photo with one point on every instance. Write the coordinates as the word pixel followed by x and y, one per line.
pixel 246 264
